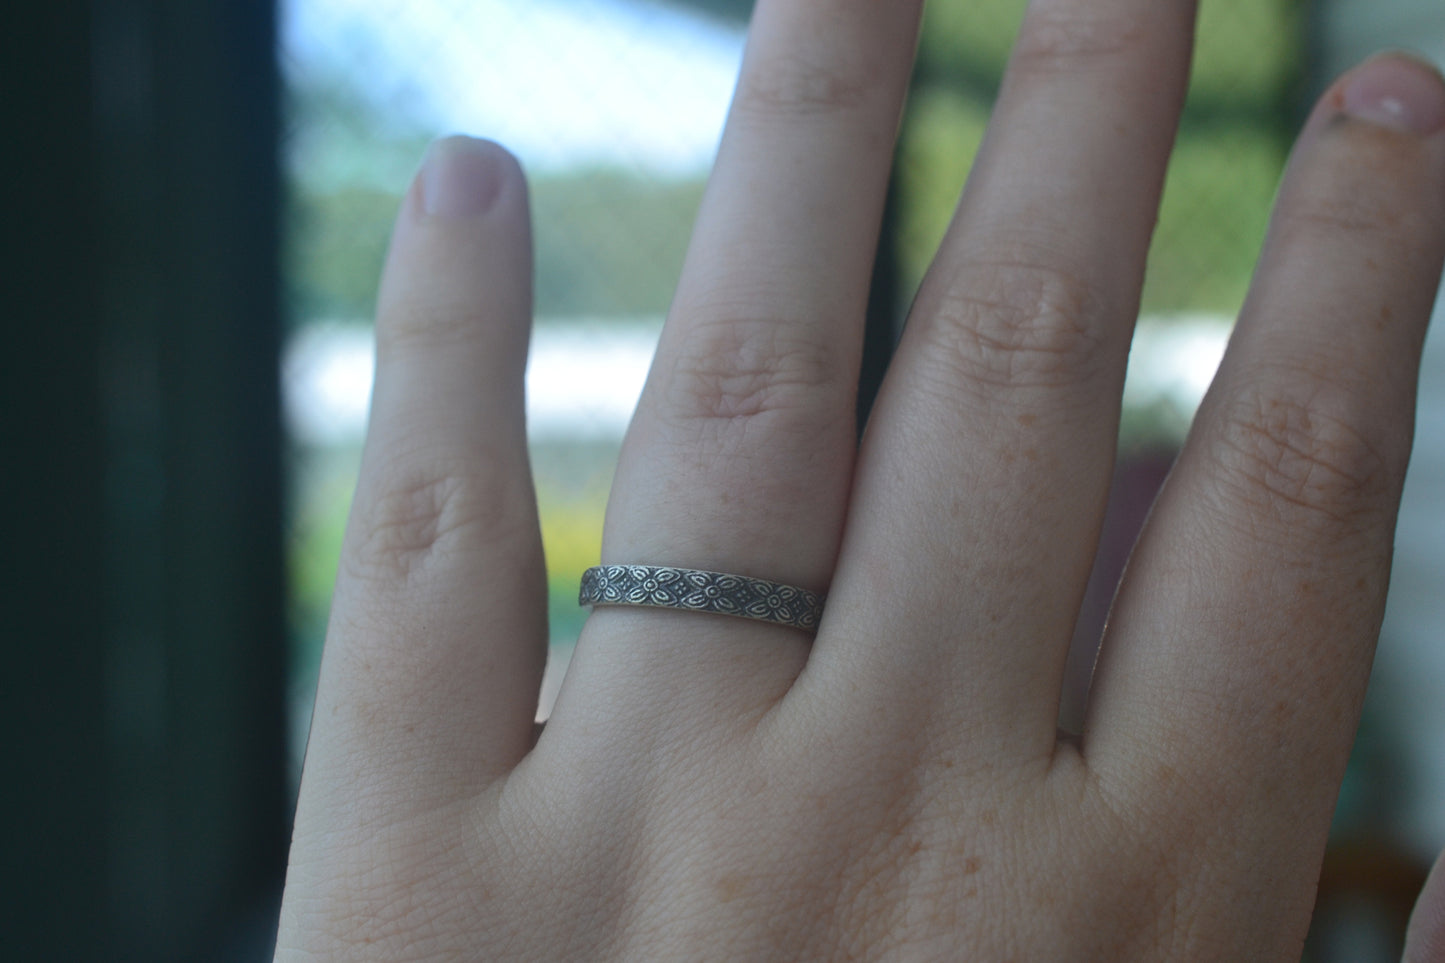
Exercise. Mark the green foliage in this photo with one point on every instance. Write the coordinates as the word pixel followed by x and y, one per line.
pixel 972 35
pixel 336 243
pixel 1230 152
pixel 322 486
pixel 1248 54
pixel 1247 51
pixel 610 243
pixel 573 482
pixel 941 135
pixel 1212 221
pixel 572 541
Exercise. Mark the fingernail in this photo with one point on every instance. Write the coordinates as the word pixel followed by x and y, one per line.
pixel 460 177
pixel 1398 91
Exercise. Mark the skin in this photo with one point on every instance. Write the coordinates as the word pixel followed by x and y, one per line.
pixel 895 788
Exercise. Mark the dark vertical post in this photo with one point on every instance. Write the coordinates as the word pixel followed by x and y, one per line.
pixel 145 489
pixel 52 496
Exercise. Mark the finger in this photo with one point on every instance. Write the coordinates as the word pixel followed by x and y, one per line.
pixel 1425 939
pixel 1242 637
pixel 434 655
pixel 740 454
pixel 986 466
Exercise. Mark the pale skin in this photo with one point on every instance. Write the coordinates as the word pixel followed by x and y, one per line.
pixel 896 787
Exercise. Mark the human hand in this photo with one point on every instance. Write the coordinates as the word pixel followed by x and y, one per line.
pixel 715 788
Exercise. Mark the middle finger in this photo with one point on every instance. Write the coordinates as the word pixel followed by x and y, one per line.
pixel 983 477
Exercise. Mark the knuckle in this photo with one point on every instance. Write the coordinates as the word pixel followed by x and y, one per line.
pixel 1018 325
pixel 1368 184
pixel 749 371
pixel 1301 456
pixel 792 86
pixel 1054 40
pixel 413 324
pixel 1342 213
pixel 416 518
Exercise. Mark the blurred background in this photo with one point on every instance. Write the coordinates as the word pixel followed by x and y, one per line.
pixel 205 191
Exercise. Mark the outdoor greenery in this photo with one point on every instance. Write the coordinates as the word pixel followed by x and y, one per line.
pixel 609 243
pixel 1247 51
pixel 1231 148
pixel 1211 222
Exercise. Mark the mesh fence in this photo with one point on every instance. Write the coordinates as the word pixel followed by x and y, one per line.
pixel 615 109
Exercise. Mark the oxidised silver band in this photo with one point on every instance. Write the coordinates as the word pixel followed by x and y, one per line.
pixel 697 591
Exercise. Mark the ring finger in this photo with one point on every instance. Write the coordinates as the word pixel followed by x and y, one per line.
pixel 740 456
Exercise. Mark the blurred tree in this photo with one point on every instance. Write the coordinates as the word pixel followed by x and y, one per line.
pixel 336 243
pixel 1232 144
pixel 610 243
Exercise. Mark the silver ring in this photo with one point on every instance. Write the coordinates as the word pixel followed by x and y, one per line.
pixel 697 591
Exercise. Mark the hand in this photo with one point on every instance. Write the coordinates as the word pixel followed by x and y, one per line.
pixel 715 788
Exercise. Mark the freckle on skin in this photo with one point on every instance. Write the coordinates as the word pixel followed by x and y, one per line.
pixel 970 866
pixel 1028 420
pixel 729 888
pixel 988 817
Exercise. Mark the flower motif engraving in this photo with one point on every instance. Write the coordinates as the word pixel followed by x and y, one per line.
pixel 716 592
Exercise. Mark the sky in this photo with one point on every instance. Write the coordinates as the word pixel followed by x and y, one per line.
pixel 561 82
